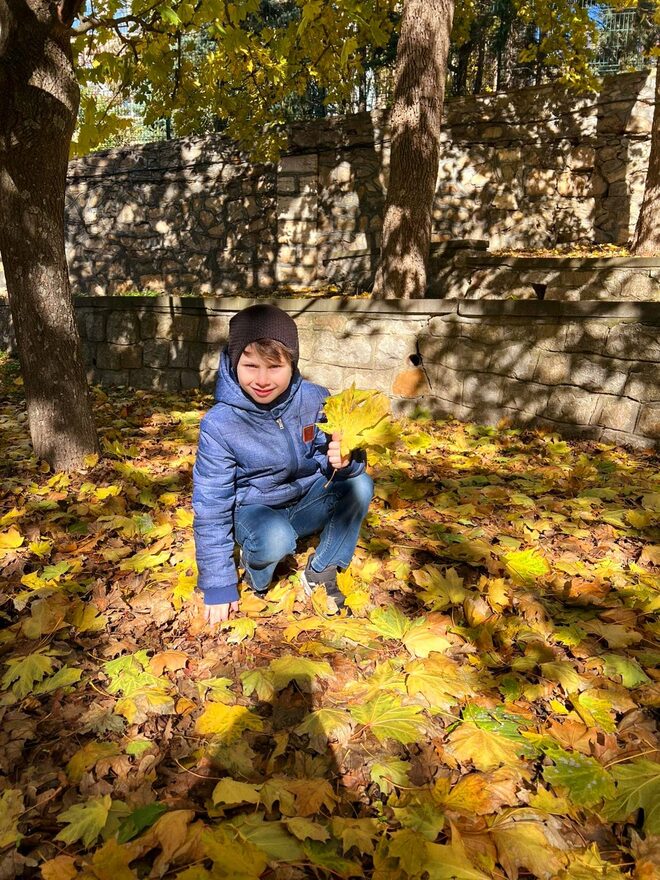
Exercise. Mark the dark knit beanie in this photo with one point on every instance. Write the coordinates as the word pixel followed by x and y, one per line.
pixel 261 322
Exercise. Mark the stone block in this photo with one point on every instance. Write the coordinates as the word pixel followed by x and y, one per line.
pixel 300 207
pixel 445 325
pixel 118 357
pixel 638 286
pixel 643 383
pixel 446 384
pixel 541 181
pixel 305 164
pixel 179 353
pixel 617 413
pixel 111 378
pixel 572 406
pixel 296 231
pixel 587 335
pixel 163 325
pixel 634 341
pixel 649 421
pixel 462 354
pixel 391 349
pixel 331 349
pixel 505 202
pixel 161 380
pixel 214 329
pixel 516 359
pixel 553 369
pixel 573 185
pixel 155 353
pixel 190 379
pixel 608 435
pixel 481 390
pixel 582 157
pixel 525 397
pixel 122 328
pixel 599 374
pixel 202 357
pixel 334 378
pixel 94 324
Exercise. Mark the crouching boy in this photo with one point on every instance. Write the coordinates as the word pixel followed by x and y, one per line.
pixel 262 470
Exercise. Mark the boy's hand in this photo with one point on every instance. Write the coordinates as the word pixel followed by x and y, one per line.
pixel 215 614
pixel 334 453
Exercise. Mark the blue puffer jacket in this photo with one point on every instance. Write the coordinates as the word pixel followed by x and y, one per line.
pixel 251 453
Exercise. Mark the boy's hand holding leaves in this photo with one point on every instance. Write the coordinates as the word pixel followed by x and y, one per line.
pixel 360 418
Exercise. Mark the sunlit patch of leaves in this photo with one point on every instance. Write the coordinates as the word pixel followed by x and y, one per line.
pixel 485 712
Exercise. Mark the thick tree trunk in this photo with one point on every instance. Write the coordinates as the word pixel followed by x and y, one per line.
pixel 421 70
pixel 37 117
pixel 646 241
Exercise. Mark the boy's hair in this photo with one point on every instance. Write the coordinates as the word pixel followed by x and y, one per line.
pixel 272 350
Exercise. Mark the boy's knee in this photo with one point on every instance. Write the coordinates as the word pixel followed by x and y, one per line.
pixel 362 490
pixel 277 541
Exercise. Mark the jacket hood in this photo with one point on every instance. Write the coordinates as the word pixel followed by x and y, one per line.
pixel 227 390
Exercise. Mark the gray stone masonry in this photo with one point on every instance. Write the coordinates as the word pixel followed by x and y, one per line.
pixel 487 276
pixel 590 368
pixel 531 168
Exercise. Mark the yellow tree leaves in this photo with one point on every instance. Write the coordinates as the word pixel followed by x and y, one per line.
pixel 466 721
pixel 361 417
pixel 11 809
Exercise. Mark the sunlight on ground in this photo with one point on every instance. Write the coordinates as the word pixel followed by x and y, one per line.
pixel 485 711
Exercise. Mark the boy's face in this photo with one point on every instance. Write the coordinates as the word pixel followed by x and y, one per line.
pixel 262 380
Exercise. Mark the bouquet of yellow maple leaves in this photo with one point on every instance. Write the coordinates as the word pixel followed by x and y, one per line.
pixel 362 419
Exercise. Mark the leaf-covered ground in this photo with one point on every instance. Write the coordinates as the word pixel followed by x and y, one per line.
pixel 487 711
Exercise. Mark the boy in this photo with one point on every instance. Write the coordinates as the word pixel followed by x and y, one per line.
pixel 262 469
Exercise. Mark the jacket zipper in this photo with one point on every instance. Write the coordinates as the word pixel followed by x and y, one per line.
pixel 292 451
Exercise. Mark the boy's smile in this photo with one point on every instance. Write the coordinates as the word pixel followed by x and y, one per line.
pixel 262 380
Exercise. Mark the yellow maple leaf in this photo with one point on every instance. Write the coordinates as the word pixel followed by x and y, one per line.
pixel 486 750
pixel 361 419
pixel 226 722
pixel 11 539
pixel 111 862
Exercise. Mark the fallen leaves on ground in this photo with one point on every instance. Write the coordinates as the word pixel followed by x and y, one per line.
pixel 486 712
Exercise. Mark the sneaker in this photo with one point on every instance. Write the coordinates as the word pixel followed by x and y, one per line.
pixel 326 579
pixel 248 579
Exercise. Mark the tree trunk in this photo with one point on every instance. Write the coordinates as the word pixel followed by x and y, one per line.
pixel 646 241
pixel 37 118
pixel 421 70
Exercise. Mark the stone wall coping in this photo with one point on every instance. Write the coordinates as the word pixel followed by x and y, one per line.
pixel 578 309
pixel 645 310
pixel 561 262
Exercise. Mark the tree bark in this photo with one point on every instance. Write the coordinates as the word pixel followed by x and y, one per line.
pixel 646 240
pixel 37 119
pixel 421 70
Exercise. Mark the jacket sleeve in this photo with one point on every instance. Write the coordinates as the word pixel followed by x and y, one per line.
pixel 214 494
pixel 357 464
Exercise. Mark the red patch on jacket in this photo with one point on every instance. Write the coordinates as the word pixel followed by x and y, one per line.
pixel 308 433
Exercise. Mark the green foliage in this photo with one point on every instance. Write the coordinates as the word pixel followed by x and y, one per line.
pixel 637 787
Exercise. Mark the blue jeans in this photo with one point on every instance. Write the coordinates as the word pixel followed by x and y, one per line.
pixel 268 534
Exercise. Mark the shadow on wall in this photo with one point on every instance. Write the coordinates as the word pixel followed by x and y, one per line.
pixel 593 375
pixel 174 216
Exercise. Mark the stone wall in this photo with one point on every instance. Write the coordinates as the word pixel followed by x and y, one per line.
pixel 584 368
pixel 482 276
pixel 530 168
pixel 176 215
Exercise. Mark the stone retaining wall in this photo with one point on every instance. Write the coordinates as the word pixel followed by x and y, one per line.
pixel 530 168
pixel 584 368
pixel 483 276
